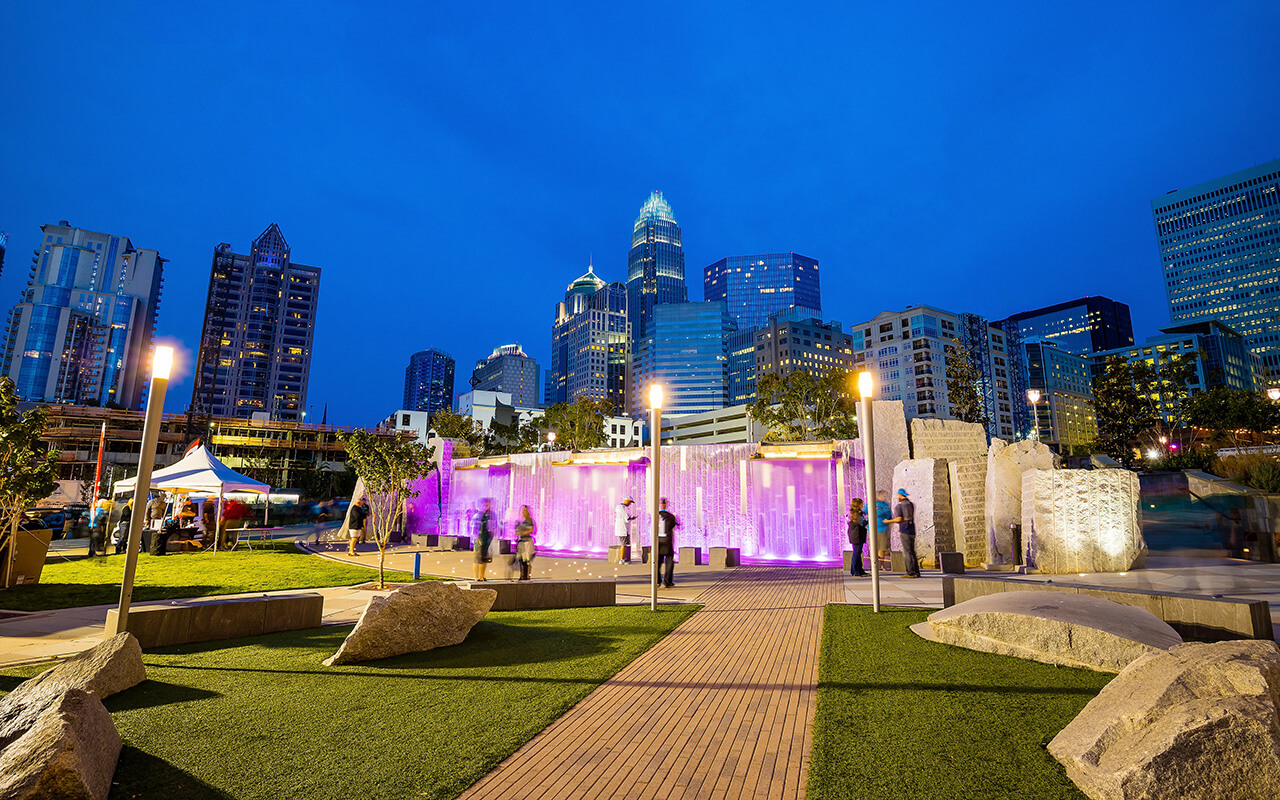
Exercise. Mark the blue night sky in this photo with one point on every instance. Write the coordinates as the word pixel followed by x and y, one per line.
pixel 452 166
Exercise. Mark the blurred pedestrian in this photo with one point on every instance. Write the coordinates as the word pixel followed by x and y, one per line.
pixel 857 537
pixel 905 517
pixel 883 513
pixel 525 548
pixel 622 518
pixel 666 549
pixel 484 537
pixel 359 513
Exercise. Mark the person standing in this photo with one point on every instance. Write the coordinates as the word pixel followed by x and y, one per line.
pixel 883 513
pixel 857 537
pixel 209 517
pixel 122 529
pixel 155 511
pixel 359 513
pixel 622 518
pixel 484 537
pixel 667 523
pixel 525 547
pixel 905 516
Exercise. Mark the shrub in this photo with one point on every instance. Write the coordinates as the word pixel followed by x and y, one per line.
pixel 1195 458
pixel 1258 470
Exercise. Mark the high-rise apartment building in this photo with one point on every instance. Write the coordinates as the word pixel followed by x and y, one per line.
pixel 259 324
pixel 1064 415
pixel 428 381
pixel 1081 326
pixel 655 266
pixel 4 242
pixel 508 369
pixel 810 345
pixel 82 331
pixel 909 351
pixel 686 353
pixel 1220 252
pixel 590 349
pixel 757 286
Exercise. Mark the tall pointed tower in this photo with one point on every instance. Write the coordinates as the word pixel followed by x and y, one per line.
pixel 655 266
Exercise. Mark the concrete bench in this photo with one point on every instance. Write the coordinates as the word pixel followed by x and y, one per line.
pixel 455 542
pixel 1188 614
pixel 726 557
pixel 690 556
pixel 425 539
pixel 535 594
pixel 220 618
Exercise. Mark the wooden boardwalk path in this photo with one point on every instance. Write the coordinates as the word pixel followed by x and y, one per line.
pixel 720 708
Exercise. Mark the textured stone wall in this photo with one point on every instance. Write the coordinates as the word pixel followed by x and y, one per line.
pixel 1005 465
pixel 1077 520
pixel 968 479
pixel 946 438
pixel 926 482
pixel 891 440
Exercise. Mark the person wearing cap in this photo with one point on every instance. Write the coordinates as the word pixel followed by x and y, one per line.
pixel 905 517
pixel 622 528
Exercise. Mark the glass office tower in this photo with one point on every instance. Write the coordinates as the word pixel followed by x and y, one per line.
pixel 508 369
pixel 428 381
pixel 590 352
pixel 686 353
pixel 1080 327
pixel 757 286
pixel 655 266
pixel 1220 251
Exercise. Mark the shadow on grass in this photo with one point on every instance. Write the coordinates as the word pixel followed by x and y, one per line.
pixel 141 775
pixel 152 693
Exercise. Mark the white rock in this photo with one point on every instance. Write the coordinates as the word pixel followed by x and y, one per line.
pixel 891 440
pixel 1077 520
pixel 947 438
pixel 1073 630
pixel 56 744
pixel 1005 465
pixel 103 670
pixel 413 618
pixel 968 483
pixel 1200 721
pixel 925 480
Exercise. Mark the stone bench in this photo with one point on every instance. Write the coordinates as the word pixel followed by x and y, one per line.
pixel 535 594
pixel 691 556
pixel 425 539
pixel 1189 614
pixel 220 618
pixel 725 557
pixel 455 542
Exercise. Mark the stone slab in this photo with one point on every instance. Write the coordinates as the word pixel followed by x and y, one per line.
pixel 1064 628
pixel 412 619
pixel 724 557
pixel 59 744
pixel 892 446
pixel 505 546
pixel 968 486
pixel 425 539
pixel 927 484
pixel 690 556
pixel 1077 521
pixel 518 595
pixel 455 542
pixel 1006 464
pixel 948 439
pixel 951 563
pixel 228 618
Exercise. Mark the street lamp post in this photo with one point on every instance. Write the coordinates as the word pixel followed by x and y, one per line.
pixel 1274 394
pixel 1034 396
pixel 161 364
pixel 655 464
pixel 866 430
pixel 551 440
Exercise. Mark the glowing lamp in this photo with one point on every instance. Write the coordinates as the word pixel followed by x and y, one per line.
pixel 866 384
pixel 655 396
pixel 1033 395
pixel 162 362
pixel 551 436
pixel 1274 393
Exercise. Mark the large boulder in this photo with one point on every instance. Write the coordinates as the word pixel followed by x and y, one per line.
pixel 1198 721
pixel 1073 630
pixel 56 744
pixel 102 670
pixel 925 480
pixel 889 420
pixel 1005 465
pixel 1077 520
pixel 413 618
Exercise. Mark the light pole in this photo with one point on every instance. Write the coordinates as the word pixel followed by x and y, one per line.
pixel 1274 394
pixel 866 430
pixel 1034 396
pixel 551 440
pixel 655 464
pixel 161 364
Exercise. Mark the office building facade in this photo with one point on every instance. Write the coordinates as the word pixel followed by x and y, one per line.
pixel 508 369
pixel 428 381
pixel 1082 326
pixel 259 325
pixel 685 353
pixel 755 287
pixel 1064 416
pixel 810 345
pixel 655 266
pixel 83 330
pixel 590 343
pixel 908 352
pixel 1220 253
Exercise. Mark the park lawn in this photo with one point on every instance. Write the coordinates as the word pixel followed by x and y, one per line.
pixel 96 581
pixel 904 718
pixel 262 718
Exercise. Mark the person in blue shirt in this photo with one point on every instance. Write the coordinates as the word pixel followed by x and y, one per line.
pixel 883 513
pixel 906 520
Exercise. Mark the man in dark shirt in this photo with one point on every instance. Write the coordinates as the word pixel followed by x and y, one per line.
pixel 359 512
pixel 905 516
pixel 666 544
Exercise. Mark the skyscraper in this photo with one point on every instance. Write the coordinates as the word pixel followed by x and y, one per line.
pixel 686 353
pixel 1080 327
pixel 508 369
pixel 590 352
pixel 4 241
pixel 754 287
pixel 82 332
pixel 1220 251
pixel 259 322
pixel 655 266
pixel 428 381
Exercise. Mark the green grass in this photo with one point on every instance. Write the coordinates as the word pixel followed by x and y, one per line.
pixel 96 581
pixel 900 717
pixel 262 718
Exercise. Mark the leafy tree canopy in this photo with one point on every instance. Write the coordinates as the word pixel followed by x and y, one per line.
pixel 962 385
pixel 1227 413
pixel 28 470
pixel 578 425
pixel 798 408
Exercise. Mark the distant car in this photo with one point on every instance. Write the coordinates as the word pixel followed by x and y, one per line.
pixel 54 519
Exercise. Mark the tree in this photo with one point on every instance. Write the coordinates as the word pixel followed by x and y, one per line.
pixel 962 385
pixel 1164 386
pixel 1227 413
pixel 449 425
pixel 578 425
pixel 1123 416
pixel 797 408
pixel 28 467
pixel 389 465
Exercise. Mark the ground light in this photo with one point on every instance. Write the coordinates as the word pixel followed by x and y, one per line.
pixel 866 430
pixel 655 441
pixel 161 364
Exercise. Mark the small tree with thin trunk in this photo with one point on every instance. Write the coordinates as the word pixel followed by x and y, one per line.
pixel 27 468
pixel 389 466
pixel 962 385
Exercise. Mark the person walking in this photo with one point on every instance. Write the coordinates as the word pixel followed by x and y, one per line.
pixel 525 548
pixel 122 528
pixel 622 518
pixel 484 537
pixel 155 512
pixel 857 537
pixel 667 523
pixel 359 513
pixel 905 517
pixel 883 513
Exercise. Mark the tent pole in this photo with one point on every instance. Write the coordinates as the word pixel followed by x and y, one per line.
pixel 266 512
pixel 217 520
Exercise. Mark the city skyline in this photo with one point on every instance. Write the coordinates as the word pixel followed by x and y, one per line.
pixel 1026 153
